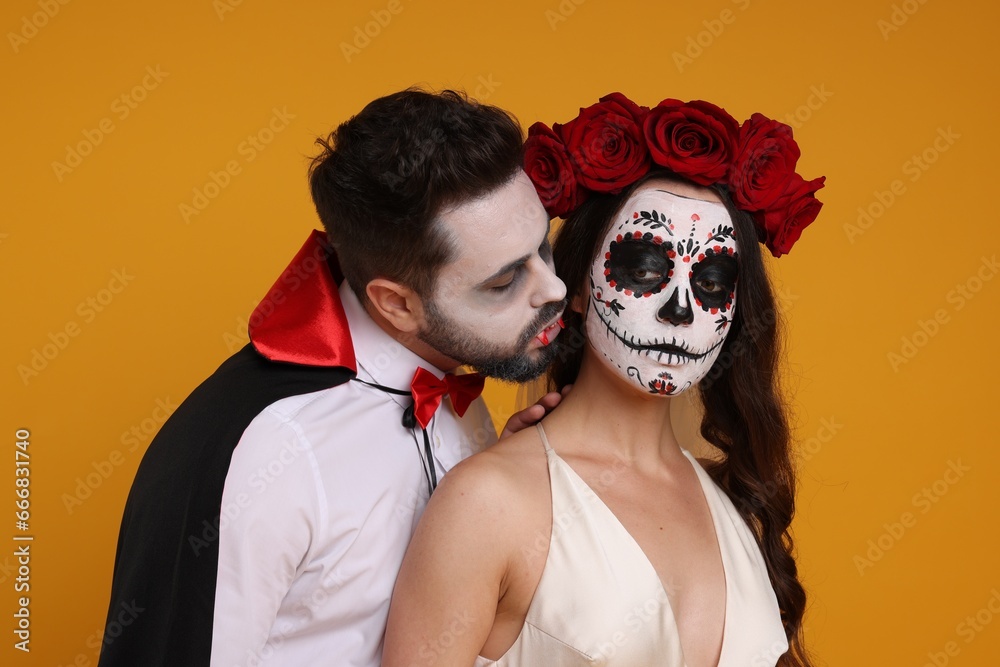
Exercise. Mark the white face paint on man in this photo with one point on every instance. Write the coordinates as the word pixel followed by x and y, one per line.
pixel 663 290
pixel 497 303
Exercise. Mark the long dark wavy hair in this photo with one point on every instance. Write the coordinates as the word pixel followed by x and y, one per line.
pixel 745 416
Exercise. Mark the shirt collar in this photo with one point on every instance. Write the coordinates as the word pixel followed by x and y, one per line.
pixel 312 317
pixel 387 361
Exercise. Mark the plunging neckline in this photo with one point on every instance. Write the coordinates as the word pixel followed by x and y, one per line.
pixel 702 475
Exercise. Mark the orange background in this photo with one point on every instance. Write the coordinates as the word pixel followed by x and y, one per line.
pixel 892 574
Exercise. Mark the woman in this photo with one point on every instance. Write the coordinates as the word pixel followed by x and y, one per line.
pixel 595 538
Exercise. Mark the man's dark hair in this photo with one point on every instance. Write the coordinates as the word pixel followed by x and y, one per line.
pixel 383 177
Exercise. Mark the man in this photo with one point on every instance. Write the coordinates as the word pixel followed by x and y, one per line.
pixel 269 516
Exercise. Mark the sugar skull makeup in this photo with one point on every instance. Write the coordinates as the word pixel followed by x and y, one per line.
pixel 663 290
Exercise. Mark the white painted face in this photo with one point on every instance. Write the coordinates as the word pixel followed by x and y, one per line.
pixel 663 290
pixel 497 305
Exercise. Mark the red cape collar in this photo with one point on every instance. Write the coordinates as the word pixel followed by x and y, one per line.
pixel 301 320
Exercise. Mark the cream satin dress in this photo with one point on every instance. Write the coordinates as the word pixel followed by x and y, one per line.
pixel 601 602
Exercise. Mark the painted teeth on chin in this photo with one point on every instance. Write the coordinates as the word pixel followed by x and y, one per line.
pixel 609 332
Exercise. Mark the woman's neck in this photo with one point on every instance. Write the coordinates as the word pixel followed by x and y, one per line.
pixel 604 416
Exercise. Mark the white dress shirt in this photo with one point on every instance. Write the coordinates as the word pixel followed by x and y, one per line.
pixel 320 501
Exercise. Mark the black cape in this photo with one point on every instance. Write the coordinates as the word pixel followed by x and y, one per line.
pixel 166 567
pixel 163 592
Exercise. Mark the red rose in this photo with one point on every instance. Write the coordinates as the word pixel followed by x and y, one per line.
pixel 695 140
pixel 764 164
pixel 624 106
pixel 548 165
pixel 605 143
pixel 795 208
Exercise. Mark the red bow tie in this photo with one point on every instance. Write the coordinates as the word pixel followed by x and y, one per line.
pixel 428 390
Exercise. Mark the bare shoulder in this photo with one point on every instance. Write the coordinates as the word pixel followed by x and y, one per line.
pixel 502 466
pixel 459 561
pixel 498 482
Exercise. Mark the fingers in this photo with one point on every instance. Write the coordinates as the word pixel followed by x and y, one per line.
pixel 523 419
pixel 549 401
pixel 533 414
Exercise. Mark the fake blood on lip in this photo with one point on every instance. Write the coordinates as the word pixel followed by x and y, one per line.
pixel 544 336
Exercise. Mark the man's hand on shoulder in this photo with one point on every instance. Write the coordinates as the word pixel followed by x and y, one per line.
pixel 534 414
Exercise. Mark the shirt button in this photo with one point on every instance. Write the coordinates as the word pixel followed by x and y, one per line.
pixel 437 441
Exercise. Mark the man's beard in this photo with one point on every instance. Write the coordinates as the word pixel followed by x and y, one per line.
pixel 486 357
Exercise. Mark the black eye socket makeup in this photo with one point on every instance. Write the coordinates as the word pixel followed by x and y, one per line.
pixel 713 280
pixel 638 266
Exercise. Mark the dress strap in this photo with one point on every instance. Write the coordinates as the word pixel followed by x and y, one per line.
pixel 541 434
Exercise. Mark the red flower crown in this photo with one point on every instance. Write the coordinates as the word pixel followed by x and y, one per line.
pixel 615 142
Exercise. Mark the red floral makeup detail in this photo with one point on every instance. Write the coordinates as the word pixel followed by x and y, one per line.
pixel 662 385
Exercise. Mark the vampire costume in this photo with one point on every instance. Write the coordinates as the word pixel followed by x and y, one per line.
pixel 269 516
